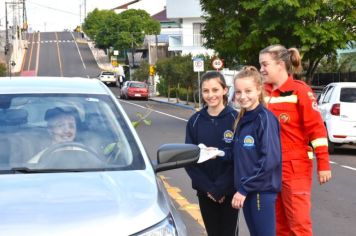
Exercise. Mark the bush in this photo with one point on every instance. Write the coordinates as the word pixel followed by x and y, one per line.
pixel 2 69
pixel 162 87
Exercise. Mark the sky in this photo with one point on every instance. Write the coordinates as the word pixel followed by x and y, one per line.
pixel 57 15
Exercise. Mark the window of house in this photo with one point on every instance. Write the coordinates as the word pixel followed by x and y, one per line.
pixel 198 39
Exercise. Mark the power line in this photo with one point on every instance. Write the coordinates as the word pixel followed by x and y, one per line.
pixel 52 8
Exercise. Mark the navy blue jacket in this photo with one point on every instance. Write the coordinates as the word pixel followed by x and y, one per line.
pixel 216 175
pixel 257 152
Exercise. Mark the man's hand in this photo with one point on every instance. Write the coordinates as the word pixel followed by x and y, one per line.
pixel 324 176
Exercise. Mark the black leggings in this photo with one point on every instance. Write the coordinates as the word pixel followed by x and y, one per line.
pixel 219 219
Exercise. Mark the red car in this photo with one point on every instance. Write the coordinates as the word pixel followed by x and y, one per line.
pixel 134 89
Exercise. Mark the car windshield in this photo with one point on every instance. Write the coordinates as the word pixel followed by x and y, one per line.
pixel 65 132
pixel 137 85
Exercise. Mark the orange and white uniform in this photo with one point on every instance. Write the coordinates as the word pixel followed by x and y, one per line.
pixel 295 106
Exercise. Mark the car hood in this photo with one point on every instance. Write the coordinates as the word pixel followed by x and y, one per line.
pixel 87 203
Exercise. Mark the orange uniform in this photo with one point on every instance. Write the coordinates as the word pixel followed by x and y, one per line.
pixel 295 106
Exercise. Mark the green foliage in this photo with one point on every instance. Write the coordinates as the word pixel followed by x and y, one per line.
pixel 3 69
pixel 238 30
pixel 142 72
pixel 345 62
pixel 177 72
pixel 120 31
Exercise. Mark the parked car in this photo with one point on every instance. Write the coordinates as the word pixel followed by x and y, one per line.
pixel 337 105
pixel 100 183
pixel 134 89
pixel 109 77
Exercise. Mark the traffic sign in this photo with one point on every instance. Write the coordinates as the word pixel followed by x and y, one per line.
pixel 217 63
pixel 198 64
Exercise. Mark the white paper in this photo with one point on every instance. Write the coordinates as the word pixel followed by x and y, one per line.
pixel 206 153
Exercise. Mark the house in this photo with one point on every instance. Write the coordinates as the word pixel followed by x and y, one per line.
pixel 187 38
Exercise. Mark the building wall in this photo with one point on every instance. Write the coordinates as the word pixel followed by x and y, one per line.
pixel 183 8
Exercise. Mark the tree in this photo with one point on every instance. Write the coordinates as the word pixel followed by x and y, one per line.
pixel 121 31
pixel 101 26
pixel 133 25
pixel 238 30
pixel 142 72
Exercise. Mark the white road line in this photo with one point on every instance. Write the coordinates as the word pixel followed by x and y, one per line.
pixel 80 55
pixel 348 167
pixel 159 112
pixel 332 162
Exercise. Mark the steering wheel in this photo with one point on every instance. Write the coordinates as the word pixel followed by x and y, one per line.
pixel 52 158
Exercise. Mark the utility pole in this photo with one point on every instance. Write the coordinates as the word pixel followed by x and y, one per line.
pixel 6 30
pixel 85 9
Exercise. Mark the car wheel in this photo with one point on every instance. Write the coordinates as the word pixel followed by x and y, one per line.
pixel 331 147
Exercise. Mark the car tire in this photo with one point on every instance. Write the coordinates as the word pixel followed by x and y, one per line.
pixel 331 147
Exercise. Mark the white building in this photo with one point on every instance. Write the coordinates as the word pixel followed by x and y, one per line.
pixel 188 38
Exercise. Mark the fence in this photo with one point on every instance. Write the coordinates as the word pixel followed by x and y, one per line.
pixel 322 79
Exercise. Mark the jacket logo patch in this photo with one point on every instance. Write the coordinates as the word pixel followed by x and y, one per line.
pixel 228 136
pixel 249 141
pixel 311 95
pixel 284 118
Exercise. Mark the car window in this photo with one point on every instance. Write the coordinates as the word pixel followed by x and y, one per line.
pixel 137 85
pixel 327 95
pixel 107 73
pixel 36 132
pixel 348 95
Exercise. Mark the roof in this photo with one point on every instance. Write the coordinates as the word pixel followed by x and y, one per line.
pixel 161 16
pixel 76 85
pixel 125 6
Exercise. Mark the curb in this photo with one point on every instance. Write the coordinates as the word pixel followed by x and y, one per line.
pixel 174 104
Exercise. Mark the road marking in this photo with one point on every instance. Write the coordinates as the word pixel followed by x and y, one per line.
pixel 80 55
pixel 38 52
pixel 192 209
pixel 348 167
pixel 59 56
pixel 159 112
pixel 30 59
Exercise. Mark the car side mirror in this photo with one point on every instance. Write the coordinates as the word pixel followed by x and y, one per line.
pixel 176 155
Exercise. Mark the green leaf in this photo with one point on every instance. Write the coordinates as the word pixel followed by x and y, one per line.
pixel 135 124
pixel 147 122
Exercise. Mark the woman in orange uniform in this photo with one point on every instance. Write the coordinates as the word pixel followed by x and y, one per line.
pixel 294 104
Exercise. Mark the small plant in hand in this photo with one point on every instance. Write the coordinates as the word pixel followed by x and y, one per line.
pixel 143 118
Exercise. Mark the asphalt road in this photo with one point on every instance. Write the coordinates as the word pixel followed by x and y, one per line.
pixel 59 54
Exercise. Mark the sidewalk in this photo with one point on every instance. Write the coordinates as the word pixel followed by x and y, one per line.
pixel 173 101
pixel 100 56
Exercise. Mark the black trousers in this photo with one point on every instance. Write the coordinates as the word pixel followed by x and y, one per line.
pixel 220 219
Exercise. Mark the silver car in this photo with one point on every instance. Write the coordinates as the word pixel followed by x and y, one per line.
pixel 71 163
